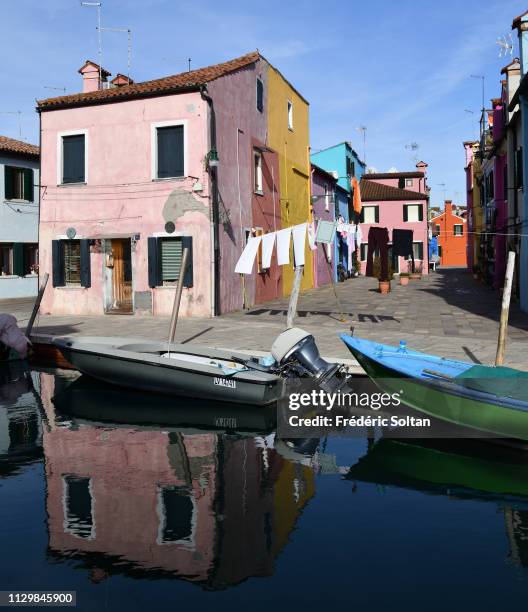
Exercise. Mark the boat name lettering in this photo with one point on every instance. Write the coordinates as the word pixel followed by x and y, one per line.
pixel 225 382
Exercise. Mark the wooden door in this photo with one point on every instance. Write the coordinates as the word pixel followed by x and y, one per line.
pixel 121 276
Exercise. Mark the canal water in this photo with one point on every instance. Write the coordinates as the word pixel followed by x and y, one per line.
pixel 205 507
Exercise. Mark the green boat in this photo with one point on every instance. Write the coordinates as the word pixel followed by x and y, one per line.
pixel 491 401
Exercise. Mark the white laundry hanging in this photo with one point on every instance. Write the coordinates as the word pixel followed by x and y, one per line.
pixel 268 242
pixel 247 259
pixel 283 246
pixel 311 236
pixel 299 240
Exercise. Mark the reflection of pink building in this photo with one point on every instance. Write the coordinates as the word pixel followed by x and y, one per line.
pixel 204 507
pixel 397 200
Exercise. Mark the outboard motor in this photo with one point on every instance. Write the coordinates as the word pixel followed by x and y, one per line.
pixel 296 347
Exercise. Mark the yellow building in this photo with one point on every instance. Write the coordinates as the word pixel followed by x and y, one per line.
pixel 288 135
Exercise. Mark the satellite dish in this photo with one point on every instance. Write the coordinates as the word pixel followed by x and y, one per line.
pixel 170 227
pixel 71 232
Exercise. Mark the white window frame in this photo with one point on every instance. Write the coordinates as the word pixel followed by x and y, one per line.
pixel 258 183
pixel 409 204
pixel 370 207
pixel 60 157
pixel 423 251
pixel 290 115
pixel 458 225
pixel 66 524
pixel 154 149
pixel 188 542
pixel 408 182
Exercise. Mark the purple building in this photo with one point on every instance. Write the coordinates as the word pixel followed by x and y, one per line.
pixel 323 208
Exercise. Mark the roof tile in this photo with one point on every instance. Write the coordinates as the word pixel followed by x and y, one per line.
pixel 371 191
pixel 18 147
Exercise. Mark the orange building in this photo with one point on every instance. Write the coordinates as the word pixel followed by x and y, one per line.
pixel 451 228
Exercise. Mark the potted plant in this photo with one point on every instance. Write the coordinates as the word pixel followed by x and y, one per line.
pixel 383 281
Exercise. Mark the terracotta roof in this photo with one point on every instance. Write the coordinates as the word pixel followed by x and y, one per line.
pixel 387 175
pixel 378 192
pixel 166 85
pixel 18 147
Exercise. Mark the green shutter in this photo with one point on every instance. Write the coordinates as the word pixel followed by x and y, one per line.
pixel 8 182
pixel 405 212
pixel 171 258
pixel 28 184
pixel 18 259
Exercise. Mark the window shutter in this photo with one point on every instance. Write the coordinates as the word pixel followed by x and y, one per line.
pixel 376 213
pixel 405 212
pixel 8 182
pixel 171 259
pixel 28 184
pixel 153 262
pixel 18 259
pixel 188 278
pixel 362 215
pixel 401 183
pixel 420 212
pixel 86 276
pixel 57 258
pixel 170 151
pixel 260 95
pixel 73 159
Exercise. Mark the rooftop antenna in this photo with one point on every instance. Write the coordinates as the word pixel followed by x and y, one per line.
pixel 129 44
pixel 363 129
pixel 480 76
pixel 413 146
pixel 63 89
pixel 444 190
pixel 19 113
pixel 506 45
pixel 98 6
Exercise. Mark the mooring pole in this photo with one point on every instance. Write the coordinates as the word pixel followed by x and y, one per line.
pixel 506 296
pixel 292 306
pixel 177 296
pixel 36 307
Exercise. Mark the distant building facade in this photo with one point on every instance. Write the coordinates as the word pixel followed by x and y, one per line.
pixel 19 218
pixel 450 227
pixel 397 200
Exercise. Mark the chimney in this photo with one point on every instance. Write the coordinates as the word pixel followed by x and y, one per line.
pixel 513 78
pixel 421 166
pixel 120 79
pixel 448 207
pixel 93 76
pixel 520 24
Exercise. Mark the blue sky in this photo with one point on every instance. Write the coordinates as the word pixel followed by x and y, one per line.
pixel 402 69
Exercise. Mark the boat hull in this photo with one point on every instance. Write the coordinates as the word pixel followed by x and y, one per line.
pixel 131 371
pixel 455 404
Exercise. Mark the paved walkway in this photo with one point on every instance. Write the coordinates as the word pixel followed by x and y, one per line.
pixel 446 313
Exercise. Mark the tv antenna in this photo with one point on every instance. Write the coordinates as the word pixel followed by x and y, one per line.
pixel 98 6
pixel 129 44
pixel 363 128
pixel 505 45
pixel 63 89
pixel 19 114
pixel 413 146
pixel 443 190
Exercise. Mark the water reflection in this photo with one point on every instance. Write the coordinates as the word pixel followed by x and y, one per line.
pixel 210 507
pixel 20 419
pixel 147 487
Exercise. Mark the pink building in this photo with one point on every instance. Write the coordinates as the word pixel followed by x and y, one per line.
pixel 397 200
pixel 133 172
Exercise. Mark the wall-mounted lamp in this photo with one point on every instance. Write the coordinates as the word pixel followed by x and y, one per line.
pixel 212 158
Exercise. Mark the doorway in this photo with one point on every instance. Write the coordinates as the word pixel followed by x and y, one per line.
pixel 118 276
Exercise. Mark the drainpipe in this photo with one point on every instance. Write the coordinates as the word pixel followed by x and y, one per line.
pixel 215 204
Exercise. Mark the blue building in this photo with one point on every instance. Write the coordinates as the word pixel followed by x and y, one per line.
pixel 19 218
pixel 344 164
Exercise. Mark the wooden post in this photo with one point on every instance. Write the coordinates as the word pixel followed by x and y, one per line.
pixel 506 296
pixel 292 306
pixel 177 296
pixel 36 305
